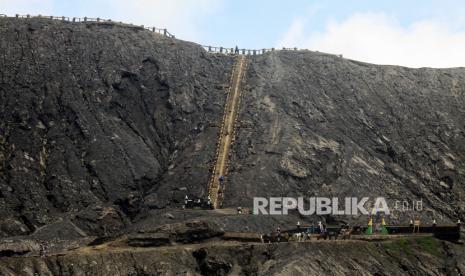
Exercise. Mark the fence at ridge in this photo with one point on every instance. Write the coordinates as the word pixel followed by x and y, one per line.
pixel 227 51
pixel 164 32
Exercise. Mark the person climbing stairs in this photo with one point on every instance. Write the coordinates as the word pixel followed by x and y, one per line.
pixel 218 179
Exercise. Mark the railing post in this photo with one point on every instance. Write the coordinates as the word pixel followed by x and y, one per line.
pixel 98 19
pixel 254 52
pixel 209 48
pixel 74 19
pixel 85 18
pixel 243 51
pixel 221 49
pixel 62 18
pixel 272 49
pixel 164 32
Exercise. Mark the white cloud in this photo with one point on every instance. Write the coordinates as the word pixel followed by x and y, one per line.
pixel 379 39
pixel 294 34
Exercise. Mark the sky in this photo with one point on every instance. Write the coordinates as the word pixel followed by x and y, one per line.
pixel 423 33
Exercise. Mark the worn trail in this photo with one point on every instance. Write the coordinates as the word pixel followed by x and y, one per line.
pixel 215 190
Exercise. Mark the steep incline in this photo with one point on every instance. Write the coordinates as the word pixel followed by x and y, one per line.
pixel 98 120
pixel 101 122
pixel 226 136
pixel 319 125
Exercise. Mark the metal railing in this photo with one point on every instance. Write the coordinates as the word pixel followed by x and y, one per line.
pixel 164 32
pixel 227 51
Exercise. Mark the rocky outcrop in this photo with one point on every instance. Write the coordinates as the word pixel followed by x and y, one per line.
pixel 194 231
pixel 18 247
pixel 399 257
pixel 148 239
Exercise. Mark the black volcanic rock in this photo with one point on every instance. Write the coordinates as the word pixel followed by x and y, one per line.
pixel 313 124
pixel 99 120
pixel 151 239
pixel 398 257
pixel 194 231
pixel 105 127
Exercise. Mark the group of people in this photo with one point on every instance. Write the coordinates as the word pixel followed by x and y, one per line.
pixel 303 234
pixel 202 202
pixel 197 203
pixel 321 228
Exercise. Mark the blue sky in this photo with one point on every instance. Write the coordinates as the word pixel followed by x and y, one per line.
pixel 260 23
pixel 411 33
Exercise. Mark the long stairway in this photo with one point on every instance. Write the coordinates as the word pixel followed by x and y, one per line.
pixel 226 136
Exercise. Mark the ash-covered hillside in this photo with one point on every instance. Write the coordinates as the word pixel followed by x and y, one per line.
pixel 319 125
pixel 101 122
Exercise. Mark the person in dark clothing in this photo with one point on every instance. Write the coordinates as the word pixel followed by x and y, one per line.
pixel 237 50
pixel 278 231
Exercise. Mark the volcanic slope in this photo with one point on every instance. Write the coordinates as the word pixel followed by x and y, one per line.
pixel 312 124
pixel 102 121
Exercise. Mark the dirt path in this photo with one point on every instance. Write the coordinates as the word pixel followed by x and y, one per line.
pixel 227 132
pixel 119 245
